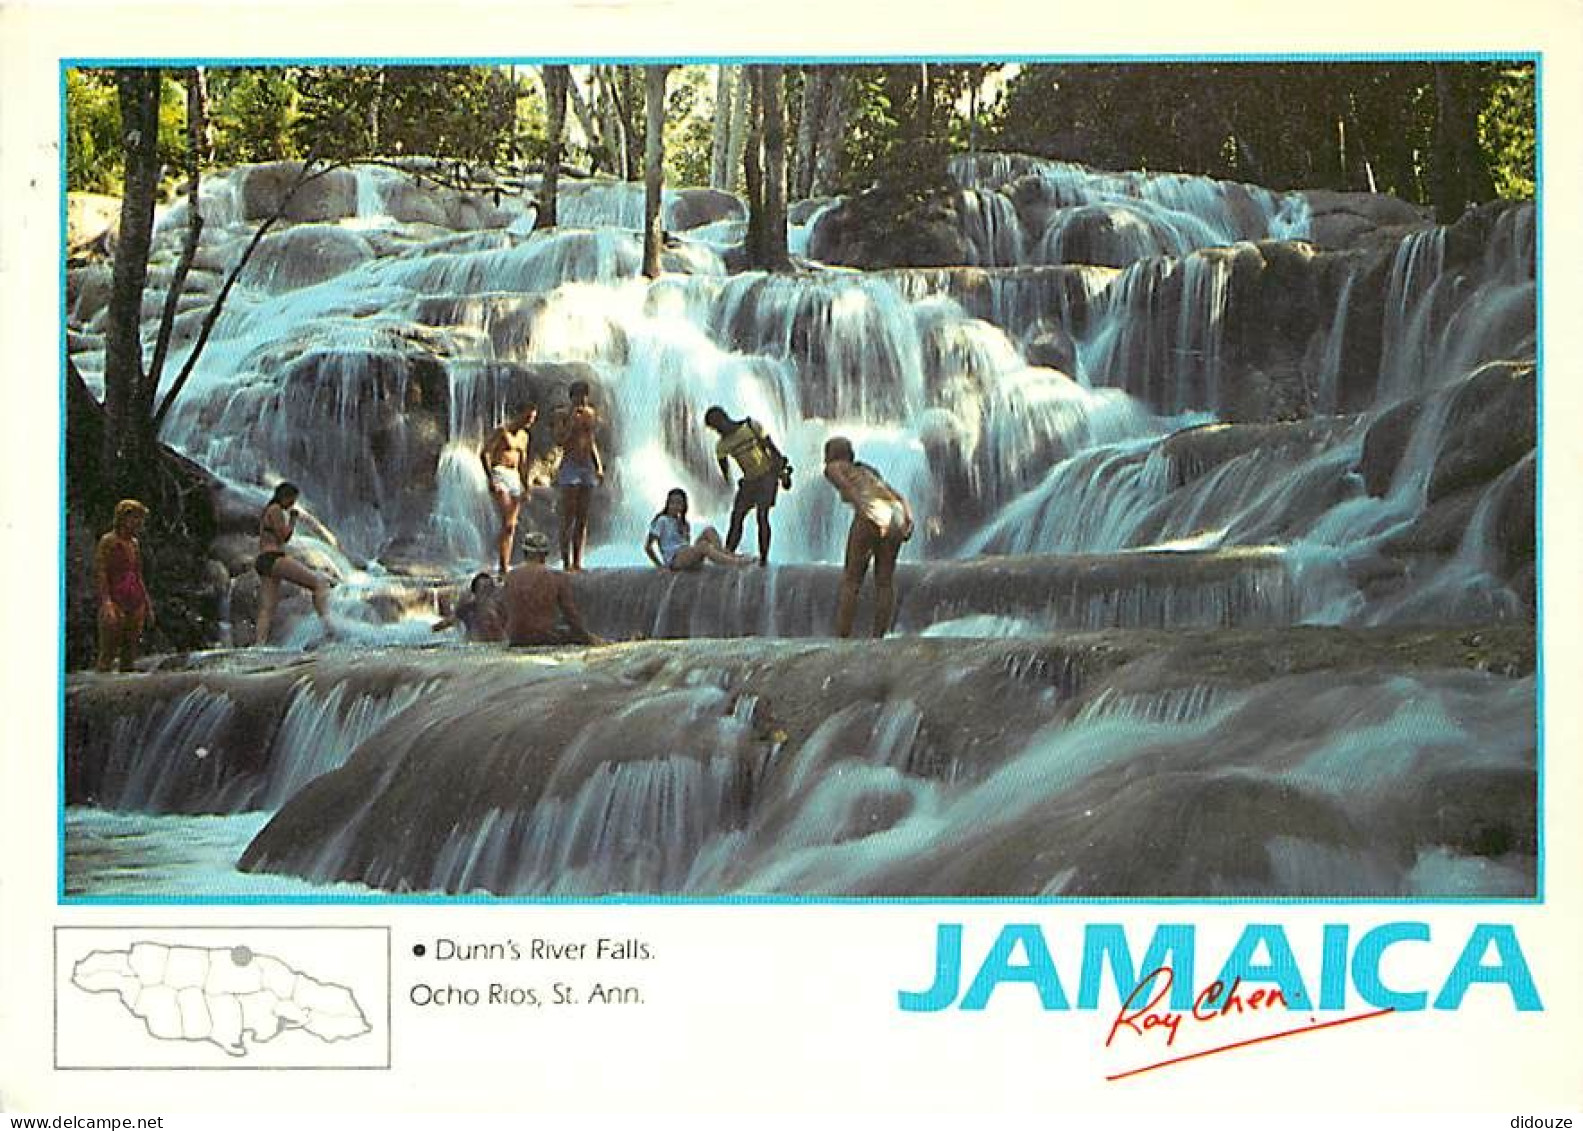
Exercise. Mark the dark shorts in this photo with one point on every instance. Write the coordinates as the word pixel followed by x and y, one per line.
pixel 265 562
pixel 576 473
pixel 760 492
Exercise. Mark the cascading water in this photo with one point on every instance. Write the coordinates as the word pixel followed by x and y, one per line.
pixel 1051 408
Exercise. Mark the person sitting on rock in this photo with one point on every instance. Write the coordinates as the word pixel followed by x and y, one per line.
pixel 275 528
pixel 764 472
pixel 537 598
pixel 124 605
pixel 479 612
pixel 505 458
pixel 670 544
pixel 881 522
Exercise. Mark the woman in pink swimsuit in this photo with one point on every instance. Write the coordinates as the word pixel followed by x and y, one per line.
pixel 124 607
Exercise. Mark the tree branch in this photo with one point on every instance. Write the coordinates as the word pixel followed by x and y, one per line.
pixel 197 123
pixel 304 177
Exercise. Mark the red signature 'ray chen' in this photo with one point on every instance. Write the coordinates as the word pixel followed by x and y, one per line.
pixel 1212 1006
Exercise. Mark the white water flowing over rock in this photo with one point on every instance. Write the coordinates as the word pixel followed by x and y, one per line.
pixel 1068 413
pixel 366 353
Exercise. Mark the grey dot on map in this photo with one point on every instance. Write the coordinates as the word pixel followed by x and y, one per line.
pixel 241 955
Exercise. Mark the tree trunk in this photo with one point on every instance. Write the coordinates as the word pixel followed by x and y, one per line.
pixel 627 107
pixel 1461 175
pixel 753 168
pixel 720 131
pixel 556 80
pixel 128 438
pixel 741 123
pixel 376 112
pixel 197 129
pixel 585 116
pixel 773 230
pixel 816 86
pixel 829 148
pixel 610 120
pixel 653 166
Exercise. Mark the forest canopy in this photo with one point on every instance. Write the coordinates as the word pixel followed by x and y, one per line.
pixel 1426 131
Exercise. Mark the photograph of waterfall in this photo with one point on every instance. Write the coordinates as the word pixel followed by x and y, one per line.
pixel 1194 405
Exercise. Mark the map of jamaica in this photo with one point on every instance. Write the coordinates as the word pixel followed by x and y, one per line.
pixel 222 995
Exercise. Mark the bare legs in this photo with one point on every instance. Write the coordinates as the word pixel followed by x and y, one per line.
pixel 707 547
pixel 508 506
pixel 574 526
pixel 119 633
pixel 269 595
pixel 739 513
pixel 864 542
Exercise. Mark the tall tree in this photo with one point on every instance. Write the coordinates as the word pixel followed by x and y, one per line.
pixel 653 166
pixel 815 92
pixel 607 102
pixel 828 149
pixel 773 229
pixel 741 124
pixel 753 166
pixel 556 81
pixel 588 119
pixel 1461 175
pixel 720 167
pixel 764 169
pixel 128 435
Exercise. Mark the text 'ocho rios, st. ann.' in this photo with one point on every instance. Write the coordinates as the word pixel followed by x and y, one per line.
pixel 466 972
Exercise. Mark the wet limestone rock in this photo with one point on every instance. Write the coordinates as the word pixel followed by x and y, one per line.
pixel 267 190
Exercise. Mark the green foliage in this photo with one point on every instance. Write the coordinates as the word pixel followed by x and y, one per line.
pixel 1345 125
pixel 457 113
pixel 93 132
pixel 94 157
pixel 689 125
pixel 1342 125
pixel 1506 131
pixel 872 129
pixel 253 111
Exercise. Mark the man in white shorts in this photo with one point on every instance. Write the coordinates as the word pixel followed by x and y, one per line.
pixel 505 458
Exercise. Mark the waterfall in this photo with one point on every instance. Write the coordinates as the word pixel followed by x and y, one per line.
pixel 1409 304
pixel 1013 402
pixel 168 759
pixel 320 731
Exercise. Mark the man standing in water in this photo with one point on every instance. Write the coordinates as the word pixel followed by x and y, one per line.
pixel 505 459
pixel 881 522
pixel 581 469
pixel 764 471
pixel 537 598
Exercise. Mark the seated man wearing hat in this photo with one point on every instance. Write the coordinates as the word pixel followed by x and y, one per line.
pixel 537 598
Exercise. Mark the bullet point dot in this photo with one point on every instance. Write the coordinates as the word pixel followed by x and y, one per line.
pixel 420 950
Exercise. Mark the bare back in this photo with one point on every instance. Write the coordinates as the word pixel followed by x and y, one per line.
pixel 536 597
pixel 870 497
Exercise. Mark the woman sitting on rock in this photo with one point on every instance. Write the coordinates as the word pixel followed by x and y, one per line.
pixel 275 529
pixel 671 535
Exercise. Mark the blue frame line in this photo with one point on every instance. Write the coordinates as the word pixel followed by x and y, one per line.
pixel 1540 207
pixel 525 60
pixel 1535 58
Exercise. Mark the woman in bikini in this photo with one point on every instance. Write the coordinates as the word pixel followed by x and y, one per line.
pixel 670 544
pixel 275 529
pixel 881 522
pixel 124 607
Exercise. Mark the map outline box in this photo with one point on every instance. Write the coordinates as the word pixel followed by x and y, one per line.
pixel 170 935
